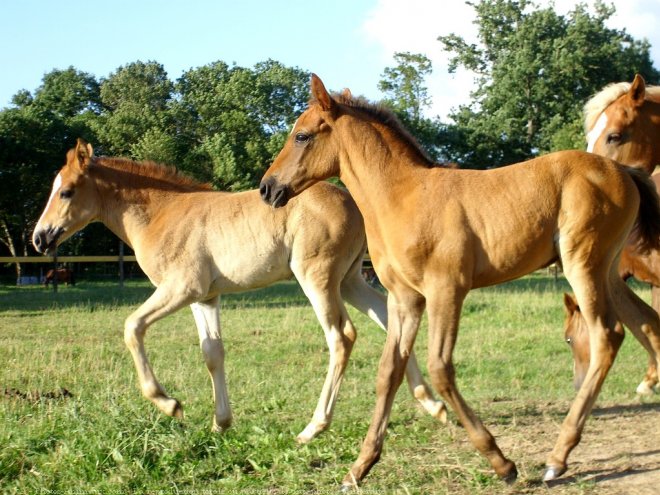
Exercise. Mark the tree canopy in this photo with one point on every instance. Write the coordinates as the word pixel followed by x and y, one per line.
pixel 534 70
pixel 224 124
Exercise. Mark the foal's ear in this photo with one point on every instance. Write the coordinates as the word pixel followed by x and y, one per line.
pixel 321 94
pixel 570 304
pixel 346 93
pixel 637 90
pixel 83 154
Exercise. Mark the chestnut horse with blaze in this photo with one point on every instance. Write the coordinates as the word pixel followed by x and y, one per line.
pixel 435 233
pixel 622 122
pixel 196 244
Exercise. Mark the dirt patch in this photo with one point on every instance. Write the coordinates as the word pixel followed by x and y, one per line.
pixel 619 452
pixel 36 395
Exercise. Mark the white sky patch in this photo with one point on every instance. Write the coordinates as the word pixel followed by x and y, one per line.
pixel 414 26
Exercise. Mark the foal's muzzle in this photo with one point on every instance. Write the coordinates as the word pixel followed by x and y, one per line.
pixel 274 193
pixel 45 240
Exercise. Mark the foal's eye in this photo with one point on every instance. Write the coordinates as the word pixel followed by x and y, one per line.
pixel 615 137
pixel 569 340
pixel 302 138
pixel 66 193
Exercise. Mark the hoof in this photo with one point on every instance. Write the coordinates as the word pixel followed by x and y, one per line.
pixel 310 432
pixel 349 483
pixel 440 412
pixel 344 488
pixel 553 472
pixel 220 427
pixel 512 475
pixel 174 409
pixel 303 439
pixel 645 389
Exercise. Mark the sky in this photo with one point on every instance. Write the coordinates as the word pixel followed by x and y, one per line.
pixel 348 43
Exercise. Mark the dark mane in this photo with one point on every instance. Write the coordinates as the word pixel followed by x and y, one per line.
pixel 386 117
pixel 153 172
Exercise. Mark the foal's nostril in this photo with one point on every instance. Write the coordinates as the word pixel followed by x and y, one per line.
pixel 264 190
pixel 279 198
pixel 39 241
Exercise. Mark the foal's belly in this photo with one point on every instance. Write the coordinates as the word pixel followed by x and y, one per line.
pixel 244 273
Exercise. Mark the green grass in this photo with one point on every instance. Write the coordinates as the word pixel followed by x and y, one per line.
pixel 512 367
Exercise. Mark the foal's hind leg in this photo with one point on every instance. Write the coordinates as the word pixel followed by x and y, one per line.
pixel 161 303
pixel 359 294
pixel 594 296
pixel 644 323
pixel 340 336
pixel 207 319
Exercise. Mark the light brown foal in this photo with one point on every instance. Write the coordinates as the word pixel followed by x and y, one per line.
pixel 195 244
pixel 436 233
pixel 645 267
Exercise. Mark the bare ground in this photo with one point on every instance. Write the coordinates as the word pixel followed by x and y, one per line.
pixel 619 452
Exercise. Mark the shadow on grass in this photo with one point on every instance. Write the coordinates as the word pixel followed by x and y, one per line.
pixel 30 299
pixel 281 294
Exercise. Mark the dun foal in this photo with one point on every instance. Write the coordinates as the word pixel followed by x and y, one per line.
pixel 195 244
pixel 436 233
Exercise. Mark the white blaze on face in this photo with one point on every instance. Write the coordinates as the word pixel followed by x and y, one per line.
pixel 294 126
pixel 595 133
pixel 57 183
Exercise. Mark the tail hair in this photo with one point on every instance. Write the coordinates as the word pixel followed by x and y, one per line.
pixel 646 232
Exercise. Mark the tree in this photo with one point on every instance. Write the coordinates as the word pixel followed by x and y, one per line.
pixel 404 84
pixel 34 137
pixel 135 117
pixel 235 119
pixel 407 95
pixel 534 70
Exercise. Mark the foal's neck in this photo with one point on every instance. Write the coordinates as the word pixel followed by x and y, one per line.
pixel 128 206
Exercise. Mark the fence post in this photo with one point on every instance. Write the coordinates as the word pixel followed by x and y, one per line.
pixel 121 263
pixel 55 271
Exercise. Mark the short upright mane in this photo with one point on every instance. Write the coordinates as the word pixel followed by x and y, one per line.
pixel 156 171
pixel 386 117
pixel 605 97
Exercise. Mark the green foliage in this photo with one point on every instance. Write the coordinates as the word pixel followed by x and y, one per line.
pixel 135 100
pixel 535 70
pixel 404 84
pixel 231 116
pixel 222 124
pixel 407 95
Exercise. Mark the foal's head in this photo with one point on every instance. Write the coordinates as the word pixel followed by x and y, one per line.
pixel 72 203
pixel 310 154
pixel 622 122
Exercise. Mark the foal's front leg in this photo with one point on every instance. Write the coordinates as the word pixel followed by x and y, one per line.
pixel 404 315
pixel 207 319
pixel 161 303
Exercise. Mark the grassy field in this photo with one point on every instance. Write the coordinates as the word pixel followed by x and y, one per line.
pixel 101 436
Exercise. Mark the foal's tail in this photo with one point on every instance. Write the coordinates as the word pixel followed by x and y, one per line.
pixel 646 232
